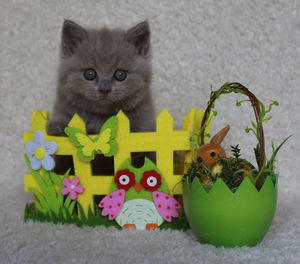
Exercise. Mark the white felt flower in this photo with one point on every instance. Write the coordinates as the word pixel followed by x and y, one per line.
pixel 40 151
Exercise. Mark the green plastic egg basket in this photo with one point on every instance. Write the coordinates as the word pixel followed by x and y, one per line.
pixel 221 217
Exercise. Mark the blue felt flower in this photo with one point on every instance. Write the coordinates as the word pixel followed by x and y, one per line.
pixel 40 151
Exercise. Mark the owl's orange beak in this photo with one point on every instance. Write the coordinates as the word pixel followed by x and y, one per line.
pixel 138 187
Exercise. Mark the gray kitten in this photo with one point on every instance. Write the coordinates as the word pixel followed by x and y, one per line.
pixel 101 72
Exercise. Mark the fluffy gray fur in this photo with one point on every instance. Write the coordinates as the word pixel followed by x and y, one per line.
pixel 105 51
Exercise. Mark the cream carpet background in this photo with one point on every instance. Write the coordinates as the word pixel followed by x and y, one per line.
pixel 195 44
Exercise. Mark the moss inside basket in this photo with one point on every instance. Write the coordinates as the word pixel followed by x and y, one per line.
pixel 231 170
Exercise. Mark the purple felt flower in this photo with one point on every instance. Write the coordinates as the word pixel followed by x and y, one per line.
pixel 40 151
pixel 72 187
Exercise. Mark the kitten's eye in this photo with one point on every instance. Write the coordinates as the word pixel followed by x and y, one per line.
pixel 120 75
pixel 90 74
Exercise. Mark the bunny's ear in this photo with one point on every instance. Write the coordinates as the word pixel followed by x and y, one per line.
pixel 218 138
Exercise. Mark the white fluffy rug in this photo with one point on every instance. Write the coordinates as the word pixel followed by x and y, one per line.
pixel 195 44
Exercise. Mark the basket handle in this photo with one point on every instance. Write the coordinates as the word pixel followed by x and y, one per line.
pixel 256 107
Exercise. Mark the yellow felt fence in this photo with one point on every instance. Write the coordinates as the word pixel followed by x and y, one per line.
pixel 164 141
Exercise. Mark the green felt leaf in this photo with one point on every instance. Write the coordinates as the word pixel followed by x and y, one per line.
pixel 41 199
pixel 57 179
pixel 38 206
pixel 81 214
pixel 36 175
pixel 71 207
pixel 67 202
pixel 50 186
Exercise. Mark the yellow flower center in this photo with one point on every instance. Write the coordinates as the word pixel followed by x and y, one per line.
pixel 39 153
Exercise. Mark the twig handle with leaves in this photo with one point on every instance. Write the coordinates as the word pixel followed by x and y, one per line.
pixel 237 88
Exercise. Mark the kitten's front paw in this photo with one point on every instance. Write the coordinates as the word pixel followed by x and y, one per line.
pixel 56 128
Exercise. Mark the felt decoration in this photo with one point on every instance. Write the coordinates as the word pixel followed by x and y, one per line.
pixel 164 141
pixel 72 187
pixel 49 201
pixel 88 147
pixel 40 151
pixel 139 197
pixel 139 214
pixel 112 204
pixel 166 205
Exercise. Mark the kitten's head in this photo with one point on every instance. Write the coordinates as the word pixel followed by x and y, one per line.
pixel 103 71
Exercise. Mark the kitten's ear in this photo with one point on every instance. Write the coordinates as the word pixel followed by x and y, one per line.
pixel 139 36
pixel 72 36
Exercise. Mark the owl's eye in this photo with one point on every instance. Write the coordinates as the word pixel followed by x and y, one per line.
pixel 90 74
pixel 151 180
pixel 124 179
pixel 120 75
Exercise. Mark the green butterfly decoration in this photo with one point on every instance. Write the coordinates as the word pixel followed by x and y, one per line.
pixel 104 144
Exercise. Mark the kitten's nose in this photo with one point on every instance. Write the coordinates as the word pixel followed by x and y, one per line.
pixel 104 91
pixel 104 87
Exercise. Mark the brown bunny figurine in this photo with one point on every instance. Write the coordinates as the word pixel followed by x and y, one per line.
pixel 208 154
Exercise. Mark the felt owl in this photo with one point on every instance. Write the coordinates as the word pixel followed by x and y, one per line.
pixel 139 198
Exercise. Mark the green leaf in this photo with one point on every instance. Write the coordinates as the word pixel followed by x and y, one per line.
pixel 41 199
pixel 71 207
pixel 81 213
pixel 267 118
pixel 50 193
pixel 48 181
pixel 56 179
pixel 253 124
pixel 67 202
pixel 39 207
pixel 270 163
pixel 37 177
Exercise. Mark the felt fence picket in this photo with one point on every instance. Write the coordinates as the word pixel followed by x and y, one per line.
pixel 164 141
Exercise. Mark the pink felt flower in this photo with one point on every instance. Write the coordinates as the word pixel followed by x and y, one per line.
pixel 72 187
